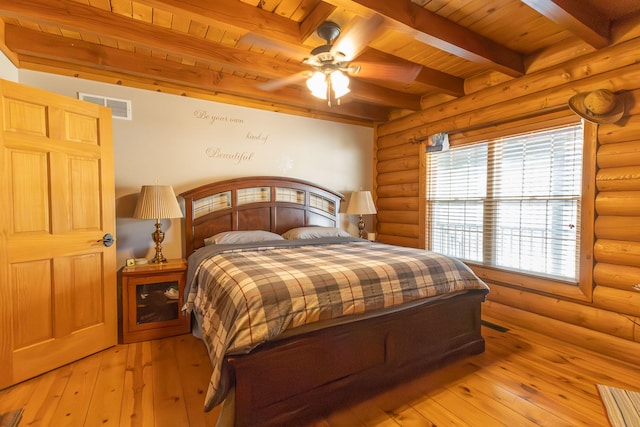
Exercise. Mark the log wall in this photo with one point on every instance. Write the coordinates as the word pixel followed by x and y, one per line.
pixel 609 316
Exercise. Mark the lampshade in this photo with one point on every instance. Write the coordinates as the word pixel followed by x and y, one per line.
pixel 339 83
pixel 317 84
pixel 157 202
pixel 361 203
pixel 322 84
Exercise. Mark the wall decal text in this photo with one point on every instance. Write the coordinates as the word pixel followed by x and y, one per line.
pixel 237 157
pixel 214 118
pixel 261 137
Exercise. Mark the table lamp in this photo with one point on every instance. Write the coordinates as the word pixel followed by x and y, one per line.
pixel 157 202
pixel 361 203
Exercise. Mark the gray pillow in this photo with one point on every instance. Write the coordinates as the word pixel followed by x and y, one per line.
pixel 244 236
pixel 314 233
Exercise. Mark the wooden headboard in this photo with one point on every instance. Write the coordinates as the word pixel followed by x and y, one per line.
pixel 269 203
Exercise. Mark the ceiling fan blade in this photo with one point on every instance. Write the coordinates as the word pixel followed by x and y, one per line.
pixel 356 36
pixel 276 84
pixel 403 73
pixel 285 49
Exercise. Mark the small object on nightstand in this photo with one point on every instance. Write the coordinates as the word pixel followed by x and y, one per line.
pixel 151 301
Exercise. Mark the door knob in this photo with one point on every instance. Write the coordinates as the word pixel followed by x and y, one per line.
pixel 106 240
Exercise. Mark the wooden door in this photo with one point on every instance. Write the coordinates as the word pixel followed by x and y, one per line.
pixel 57 201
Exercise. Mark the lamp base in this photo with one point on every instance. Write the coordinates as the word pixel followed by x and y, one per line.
pixel 159 258
pixel 361 227
pixel 158 237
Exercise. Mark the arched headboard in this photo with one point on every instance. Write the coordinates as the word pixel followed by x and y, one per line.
pixel 269 203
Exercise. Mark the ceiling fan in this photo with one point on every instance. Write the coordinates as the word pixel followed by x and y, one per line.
pixel 332 63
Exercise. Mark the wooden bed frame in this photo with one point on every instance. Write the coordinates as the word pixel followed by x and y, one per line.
pixel 295 379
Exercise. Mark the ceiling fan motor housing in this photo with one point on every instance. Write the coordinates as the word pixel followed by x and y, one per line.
pixel 322 56
pixel 328 31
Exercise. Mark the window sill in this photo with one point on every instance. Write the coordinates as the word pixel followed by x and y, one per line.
pixel 539 285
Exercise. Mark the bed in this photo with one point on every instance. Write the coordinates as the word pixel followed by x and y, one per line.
pixel 285 360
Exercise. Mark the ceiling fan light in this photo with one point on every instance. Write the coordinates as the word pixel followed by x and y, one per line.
pixel 317 84
pixel 339 83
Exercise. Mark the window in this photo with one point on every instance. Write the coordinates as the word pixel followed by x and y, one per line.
pixel 511 202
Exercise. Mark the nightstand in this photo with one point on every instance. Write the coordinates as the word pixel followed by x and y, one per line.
pixel 152 299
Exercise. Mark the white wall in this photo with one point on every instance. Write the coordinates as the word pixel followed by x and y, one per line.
pixel 187 142
pixel 7 70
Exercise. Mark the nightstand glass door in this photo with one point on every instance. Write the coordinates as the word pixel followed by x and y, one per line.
pixel 157 302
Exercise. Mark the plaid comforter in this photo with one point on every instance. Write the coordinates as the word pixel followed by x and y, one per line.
pixel 248 295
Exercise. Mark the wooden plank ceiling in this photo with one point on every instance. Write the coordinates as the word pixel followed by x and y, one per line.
pixel 412 54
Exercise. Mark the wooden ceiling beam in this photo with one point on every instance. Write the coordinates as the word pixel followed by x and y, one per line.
pixel 434 79
pixel 363 91
pixel 234 13
pixel 434 30
pixel 78 17
pixel 310 24
pixel 577 16
pixel 48 49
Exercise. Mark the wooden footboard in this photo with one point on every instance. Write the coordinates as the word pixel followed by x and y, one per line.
pixel 297 379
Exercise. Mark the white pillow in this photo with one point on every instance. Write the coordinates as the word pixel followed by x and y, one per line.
pixel 314 233
pixel 243 236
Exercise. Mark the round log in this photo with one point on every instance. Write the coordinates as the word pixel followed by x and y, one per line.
pixel 616 347
pixel 617 252
pixel 618 179
pixel 431 100
pixel 616 276
pixel 399 177
pixel 397 203
pixel 399 190
pixel 624 302
pixel 625 130
pixel 483 81
pixel 395 165
pixel 402 230
pixel 624 228
pixel 593 318
pixel 599 68
pixel 398 240
pixel 399 151
pixel 399 217
pixel 618 203
pixel 617 155
pixel 394 140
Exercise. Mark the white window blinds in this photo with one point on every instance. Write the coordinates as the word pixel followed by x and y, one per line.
pixel 511 202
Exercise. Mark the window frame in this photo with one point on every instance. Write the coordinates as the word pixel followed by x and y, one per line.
pixel 584 289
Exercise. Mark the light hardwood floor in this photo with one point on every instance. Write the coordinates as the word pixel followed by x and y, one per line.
pixel 522 379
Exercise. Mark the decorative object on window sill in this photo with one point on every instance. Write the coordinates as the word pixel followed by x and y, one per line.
pixel 438 142
pixel 433 143
pixel 599 106
pixel 157 202
pixel 361 203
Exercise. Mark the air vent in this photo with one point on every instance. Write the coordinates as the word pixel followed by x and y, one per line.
pixel 120 108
